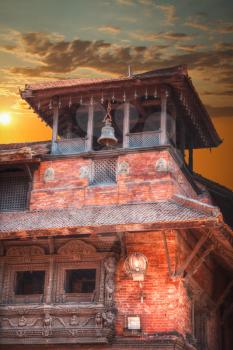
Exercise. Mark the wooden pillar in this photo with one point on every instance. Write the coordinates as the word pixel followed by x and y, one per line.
pixel 55 128
pixel 48 297
pixel 167 254
pixel 126 125
pixel 190 163
pixel 2 265
pixel 182 137
pixel 163 136
pixel 90 127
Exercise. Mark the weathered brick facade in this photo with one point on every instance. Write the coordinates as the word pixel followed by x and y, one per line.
pixel 60 224
pixel 142 183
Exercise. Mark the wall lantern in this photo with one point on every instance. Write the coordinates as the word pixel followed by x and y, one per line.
pixel 136 265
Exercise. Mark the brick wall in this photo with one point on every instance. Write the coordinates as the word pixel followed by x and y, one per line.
pixel 143 183
pixel 166 306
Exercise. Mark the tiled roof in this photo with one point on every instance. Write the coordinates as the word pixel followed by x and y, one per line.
pixel 9 146
pixel 90 81
pixel 158 212
pixel 69 83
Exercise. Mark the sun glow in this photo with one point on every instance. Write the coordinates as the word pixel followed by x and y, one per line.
pixel 5 118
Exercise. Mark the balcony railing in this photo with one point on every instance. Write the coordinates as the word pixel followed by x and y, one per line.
pixel 135 140
pixel 144 139
pixel 70 146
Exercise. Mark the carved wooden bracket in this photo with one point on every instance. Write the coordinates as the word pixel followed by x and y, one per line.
pixel 194 252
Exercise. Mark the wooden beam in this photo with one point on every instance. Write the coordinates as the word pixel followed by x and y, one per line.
pixel 90 127
pixel 223 295
pixel 194 252
pixel 200 261
pixel 182 136
pixel 121 236
pixel 163 118
pixel 48 296
pixel 190 164
pixel 55 127
pixel 167 254
pixel 126 123
pixel 227 312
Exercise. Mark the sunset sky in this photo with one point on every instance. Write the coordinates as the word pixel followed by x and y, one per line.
pixel 56 39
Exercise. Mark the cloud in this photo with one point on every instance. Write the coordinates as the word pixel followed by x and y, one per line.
pixel 142 36
pixel 6 92
pixel 109 29
pixel 127 19
pixel 190 48
pixel 211 26
pixel 146 2
pixel 194 23
pixel 219 93
pixel 220 111
pixel 169 12
pixel 60 58
pixel 224 46
pixel 126 2
pixel 224 28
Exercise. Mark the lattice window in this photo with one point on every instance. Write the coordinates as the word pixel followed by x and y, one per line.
pixel 14 187
pixel 71 146
pixel 144 139
pixel 103 171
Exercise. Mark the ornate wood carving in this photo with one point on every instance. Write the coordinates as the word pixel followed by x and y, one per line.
pixel 25 251
pixel 77 249
pixel 57 316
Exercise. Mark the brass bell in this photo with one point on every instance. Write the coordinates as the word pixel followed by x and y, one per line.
pixel 107 136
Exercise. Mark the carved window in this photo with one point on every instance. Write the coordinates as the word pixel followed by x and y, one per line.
pixel 80 281
pixel 29 282
pixel 103 171
pixel 14 189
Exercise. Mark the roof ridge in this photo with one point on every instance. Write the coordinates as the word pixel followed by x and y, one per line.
pixel 197 205
pixel 199 177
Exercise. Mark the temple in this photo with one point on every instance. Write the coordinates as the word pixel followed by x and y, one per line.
pixel 108 239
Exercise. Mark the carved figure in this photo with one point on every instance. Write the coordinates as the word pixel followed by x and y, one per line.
pixel 110 286
pixel 98 320
pixel 74 320
pixel 110 264
pixel 47 325
pixel 49 174
pixel 109 318
pixel 84 172
pixel 22 321
pixel 161 165
pixel 123 168
pixel 110 267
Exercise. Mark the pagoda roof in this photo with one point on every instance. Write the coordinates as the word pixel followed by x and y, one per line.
pixel 175 79
pixel 174 213
pixel 221 196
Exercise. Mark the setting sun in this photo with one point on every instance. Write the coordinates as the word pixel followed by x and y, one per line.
pixel 5 118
